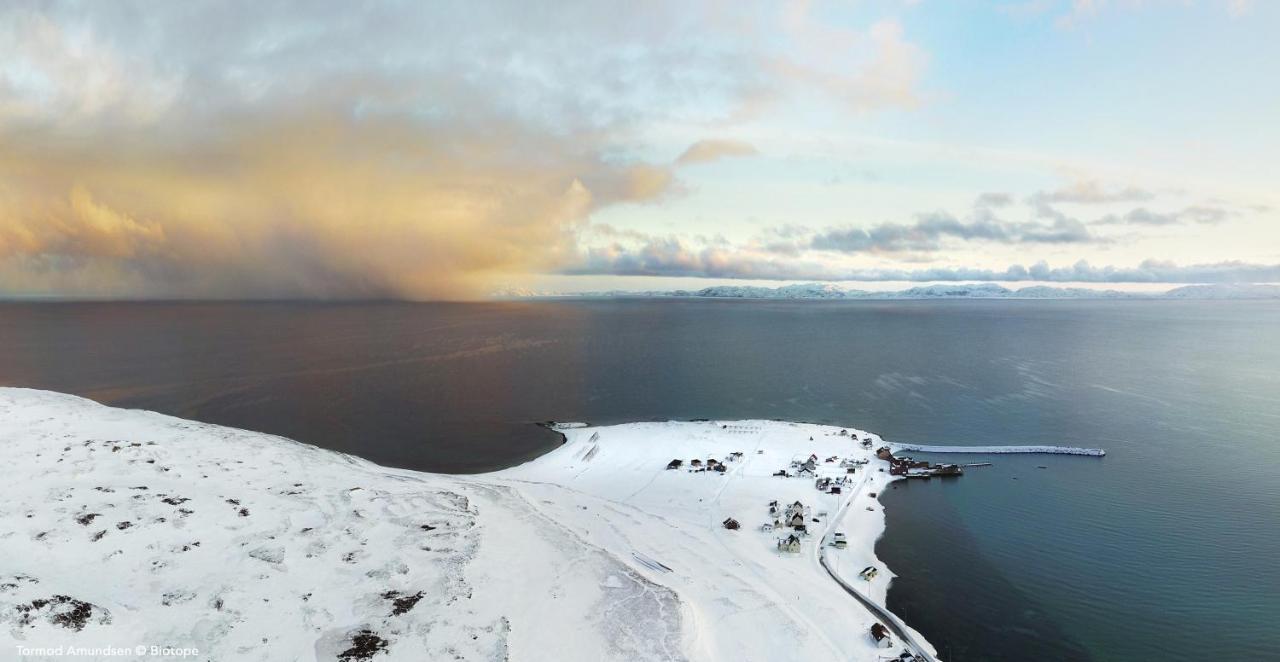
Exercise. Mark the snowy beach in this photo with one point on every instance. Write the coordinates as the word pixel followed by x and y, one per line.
pixel 126 528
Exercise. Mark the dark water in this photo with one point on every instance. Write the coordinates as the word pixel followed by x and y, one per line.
pixel 1169 548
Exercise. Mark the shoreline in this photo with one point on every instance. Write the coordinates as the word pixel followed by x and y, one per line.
pixel 329 552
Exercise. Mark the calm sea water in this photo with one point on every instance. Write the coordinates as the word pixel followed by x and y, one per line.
pixel 1167 549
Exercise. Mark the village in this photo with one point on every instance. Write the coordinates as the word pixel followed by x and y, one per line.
pixel 794 526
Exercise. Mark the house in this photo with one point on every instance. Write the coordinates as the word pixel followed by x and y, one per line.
pixel 868 573
pixel 839 541
pixel 795 520
pixel 781 473
pixel 835 490
pixel 790 543
pixel 732 524
pixel 712 462
pixel 884 453
pixel 695 463
pixel 721 468
pixel 675 464
pixel 866 443
pixel 880 635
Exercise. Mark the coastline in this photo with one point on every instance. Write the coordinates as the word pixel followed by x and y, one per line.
pixel 617 558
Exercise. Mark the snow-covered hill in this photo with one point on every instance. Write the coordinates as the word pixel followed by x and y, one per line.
pixel 124 528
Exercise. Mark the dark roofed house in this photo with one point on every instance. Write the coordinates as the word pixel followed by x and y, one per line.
pixel 695 463
pixel 675 464
pixel 880 634
pixel 731 524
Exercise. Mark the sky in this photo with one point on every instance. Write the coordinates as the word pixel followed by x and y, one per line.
pixel 446 150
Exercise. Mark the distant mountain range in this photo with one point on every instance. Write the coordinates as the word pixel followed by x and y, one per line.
pixel 956 291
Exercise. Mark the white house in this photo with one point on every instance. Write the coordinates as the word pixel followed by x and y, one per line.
pixel 790 543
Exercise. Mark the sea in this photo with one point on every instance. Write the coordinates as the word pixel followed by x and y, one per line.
pixel 1168 548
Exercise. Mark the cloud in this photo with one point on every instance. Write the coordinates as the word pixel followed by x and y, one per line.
pixel 864 70
pixel 1071 13
pixel 705 151
pixel 929 230
pixel 416 150
pixel 1090 192
pixel 1202 214
pixel 993 199
pixel 301 205
pixel 671 257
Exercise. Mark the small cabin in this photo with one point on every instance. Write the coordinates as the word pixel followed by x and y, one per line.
pixel 868 573
pixel 880 635
pixel 796 520
pixel 695 463
pixel 790 544
pixel 675 464
pixel 732 524
pixel 712 462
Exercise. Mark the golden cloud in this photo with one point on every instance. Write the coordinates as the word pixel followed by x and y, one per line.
pixel 705 151
pixel 304 206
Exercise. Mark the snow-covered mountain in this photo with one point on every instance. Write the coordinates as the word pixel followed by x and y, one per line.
pixel 1226 291
pixel 937 291
pixel 801 291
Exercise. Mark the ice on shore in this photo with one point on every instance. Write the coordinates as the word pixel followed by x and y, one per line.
pixel 122 528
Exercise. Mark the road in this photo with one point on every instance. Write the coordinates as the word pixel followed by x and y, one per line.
pixel 884 615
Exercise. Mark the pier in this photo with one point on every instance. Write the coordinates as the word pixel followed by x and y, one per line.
pixel 1052 450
